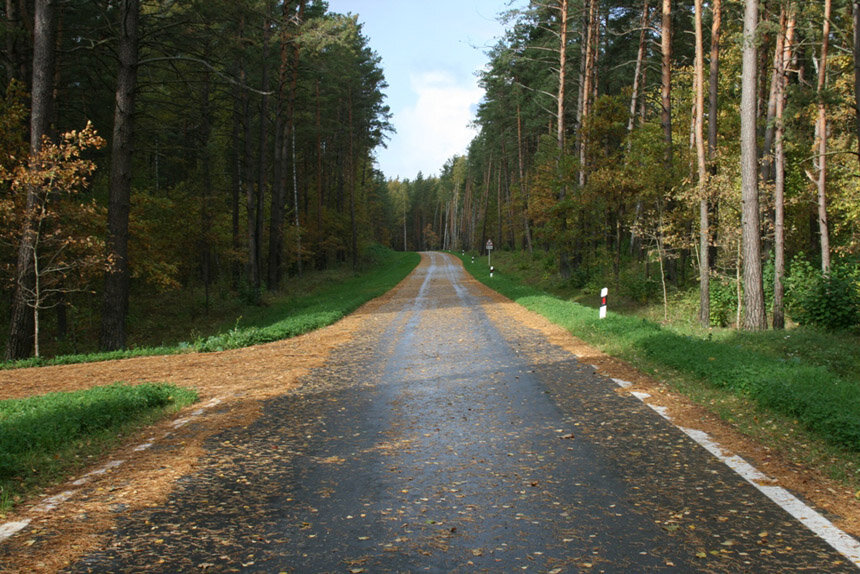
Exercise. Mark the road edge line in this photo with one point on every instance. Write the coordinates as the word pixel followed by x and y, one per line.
pixel 837 538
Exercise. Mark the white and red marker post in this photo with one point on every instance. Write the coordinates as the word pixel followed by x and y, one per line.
pixel 603 294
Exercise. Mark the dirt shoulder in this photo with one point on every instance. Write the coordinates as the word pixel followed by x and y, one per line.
pixel 232 387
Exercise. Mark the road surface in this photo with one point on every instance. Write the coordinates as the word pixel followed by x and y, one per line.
pixel 445 437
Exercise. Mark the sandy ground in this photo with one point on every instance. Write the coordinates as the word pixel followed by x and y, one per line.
pixel 232 387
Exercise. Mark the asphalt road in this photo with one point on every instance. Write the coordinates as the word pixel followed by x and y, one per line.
pixel 438 440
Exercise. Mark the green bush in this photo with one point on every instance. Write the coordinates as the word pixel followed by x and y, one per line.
pixel 827 301
pixel 638 286
pixel 724 301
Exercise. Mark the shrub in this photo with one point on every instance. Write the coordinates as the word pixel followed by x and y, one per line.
pixel 826 301
pixel 636 285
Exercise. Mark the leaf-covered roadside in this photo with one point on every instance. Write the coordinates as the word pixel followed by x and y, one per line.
pixel 825 403
pixel 44 438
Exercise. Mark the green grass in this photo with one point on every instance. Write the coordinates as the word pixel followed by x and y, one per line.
pixel 46 438
pixel 300 314
pixel 314 301
pixel 801 375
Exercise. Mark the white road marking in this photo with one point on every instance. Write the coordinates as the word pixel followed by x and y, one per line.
pixel 53 502
pixel 11 528
pixel 818 524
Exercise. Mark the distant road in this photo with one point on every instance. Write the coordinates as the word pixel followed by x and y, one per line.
pixel 449 437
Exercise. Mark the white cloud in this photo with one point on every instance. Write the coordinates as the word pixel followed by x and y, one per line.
pixel 436 127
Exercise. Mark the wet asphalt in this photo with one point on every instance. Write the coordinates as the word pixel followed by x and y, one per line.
pixel 439 441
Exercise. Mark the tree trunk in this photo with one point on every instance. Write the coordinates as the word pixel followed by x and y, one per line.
pixel 640 58
pixel 787 33
pixel 292 127
pixel 856 18
pixel 263 159
pixel 704 227
pixel 351 163
pixel 206 172
pixel 236 168
pixel 563 256
pixel 713 114
pixel 319 154
pixel 279 180
pixel 580 101
pixel 823 228
pixel 588 79
pixel 714 83
pixel 666 85
pixel 240 116
pixel 115 303
pixel 754 312
pixel 770 120
pixel 527 233
pixel 20 343
pixel 16 45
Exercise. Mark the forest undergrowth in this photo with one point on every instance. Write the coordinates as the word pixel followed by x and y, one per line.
pixel 185 321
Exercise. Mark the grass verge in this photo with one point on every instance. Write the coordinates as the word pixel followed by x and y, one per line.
pixel 44 439
pixel 743 377
pixel 303 313
pixel 314 302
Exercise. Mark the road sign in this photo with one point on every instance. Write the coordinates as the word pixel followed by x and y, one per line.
pixel 489 244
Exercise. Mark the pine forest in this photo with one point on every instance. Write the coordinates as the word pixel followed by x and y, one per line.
pixel 221 149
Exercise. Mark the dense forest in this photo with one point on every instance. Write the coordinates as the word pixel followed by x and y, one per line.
pixel 668 145
pixel 153 145
pixel 656 146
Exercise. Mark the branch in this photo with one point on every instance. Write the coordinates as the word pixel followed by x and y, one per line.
pixel 544 92
pixel 212 68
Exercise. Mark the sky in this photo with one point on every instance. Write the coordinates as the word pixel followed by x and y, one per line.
pixel 431 51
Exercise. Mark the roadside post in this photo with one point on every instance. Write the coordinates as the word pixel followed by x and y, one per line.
pixel 603 294
pixel 490 252
pixel 492 269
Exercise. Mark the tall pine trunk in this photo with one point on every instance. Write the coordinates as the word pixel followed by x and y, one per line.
pixel 563 255
pixel 714 82
pixel 666 85
pixel 856 18
pixel 754 312
pixel 283 158
pixel 823 228
pixel 640 59
pixel 527 233
pixel 787 34
pixel 20 343
pixel 702 172
pixel 117 279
